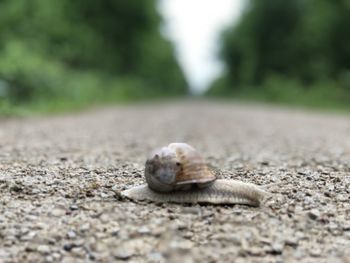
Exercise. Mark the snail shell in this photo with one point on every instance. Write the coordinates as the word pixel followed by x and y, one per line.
pixel 177 173
pixel 177 167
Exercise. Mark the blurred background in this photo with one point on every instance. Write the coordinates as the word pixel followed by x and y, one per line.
pixel 65 55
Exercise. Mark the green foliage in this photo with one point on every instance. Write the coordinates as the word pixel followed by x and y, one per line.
pixel 280 89
pixel 82 52
pixel 289 51
pixel 258 44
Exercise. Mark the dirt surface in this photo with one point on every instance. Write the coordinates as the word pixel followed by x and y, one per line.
pixel 60 178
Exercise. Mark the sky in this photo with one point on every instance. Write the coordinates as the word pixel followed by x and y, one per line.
pixel 194 26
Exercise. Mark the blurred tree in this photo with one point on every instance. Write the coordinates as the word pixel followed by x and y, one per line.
pixel 324 39
pixel 117 39
pixel 262 41
pixel 302 40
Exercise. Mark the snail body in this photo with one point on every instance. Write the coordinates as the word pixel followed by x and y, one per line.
pixel 222 191
pixel 178 173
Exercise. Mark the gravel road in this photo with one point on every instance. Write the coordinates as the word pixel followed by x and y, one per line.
pixel 60 178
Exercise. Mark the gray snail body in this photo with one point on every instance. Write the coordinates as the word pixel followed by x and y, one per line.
pixel 178 173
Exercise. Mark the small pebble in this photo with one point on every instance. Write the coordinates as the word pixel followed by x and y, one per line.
pixel 314 214
pixel 73 207
pixel 123 253
pixel 43 249
pixel 71 234
pixel 58 212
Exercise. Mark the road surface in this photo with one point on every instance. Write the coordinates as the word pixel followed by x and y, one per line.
pixel 60 177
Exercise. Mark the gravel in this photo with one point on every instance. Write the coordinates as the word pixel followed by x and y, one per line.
pixel 61 177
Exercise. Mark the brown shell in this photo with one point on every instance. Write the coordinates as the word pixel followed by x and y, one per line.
pixel 193 167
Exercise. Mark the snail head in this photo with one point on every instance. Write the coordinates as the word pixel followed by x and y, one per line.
pixel 161 170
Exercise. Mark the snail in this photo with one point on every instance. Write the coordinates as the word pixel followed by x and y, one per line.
pixel 178 173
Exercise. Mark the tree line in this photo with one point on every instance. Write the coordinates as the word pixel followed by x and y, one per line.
pixel 287 50
pixel 84 50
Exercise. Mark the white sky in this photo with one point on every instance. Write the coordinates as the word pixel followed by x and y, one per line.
pixel 194 26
